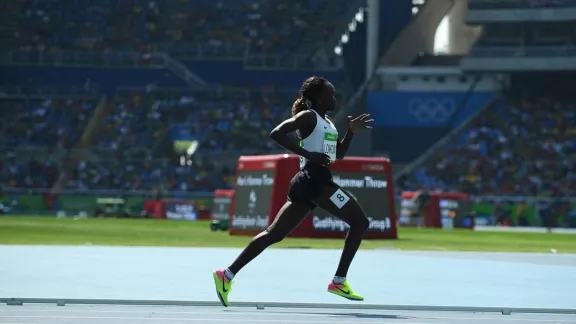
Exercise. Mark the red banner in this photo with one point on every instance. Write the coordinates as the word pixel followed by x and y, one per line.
pixel 262 183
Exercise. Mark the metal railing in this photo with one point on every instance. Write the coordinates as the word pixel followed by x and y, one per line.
pixel 136 154
pixel 50 91
pixel 523 51
pixel 529 200
pixel 291 62
pixel 67 58
pixel 157 59
pixel 187 51
pixel 109 192
pixel 251 59
pixel 181 51
pixel 504 199
pixel 24 152
pixel 168 91
pixel 225 90
pixel 526 212
pixel 519 4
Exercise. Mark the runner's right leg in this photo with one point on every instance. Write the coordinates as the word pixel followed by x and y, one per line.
pixel 287 219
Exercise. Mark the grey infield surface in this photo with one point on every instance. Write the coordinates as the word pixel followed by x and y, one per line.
pixel 516 280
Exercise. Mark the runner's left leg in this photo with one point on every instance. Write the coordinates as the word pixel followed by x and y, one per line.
pixel 342 205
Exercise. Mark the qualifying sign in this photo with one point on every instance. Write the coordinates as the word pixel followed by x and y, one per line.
pixel 262 186
pixel 252 200
pixel 371 191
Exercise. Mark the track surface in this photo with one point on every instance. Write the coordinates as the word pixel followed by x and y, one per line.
pixel 282 275
pixel 524 280
pixel 104 314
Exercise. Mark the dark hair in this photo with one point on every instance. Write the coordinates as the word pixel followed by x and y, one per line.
pixel 309 92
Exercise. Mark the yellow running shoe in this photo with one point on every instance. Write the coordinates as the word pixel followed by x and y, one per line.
pixel 344 290
pixel 223 286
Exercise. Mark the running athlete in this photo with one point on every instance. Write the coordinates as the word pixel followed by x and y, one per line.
pixel 312 186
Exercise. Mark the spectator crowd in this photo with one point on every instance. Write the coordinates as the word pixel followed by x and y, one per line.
pixel 151 175
pixel 33 132
pixel 272 26
pixel 129 145
pixel 27 171
pixel 53 123
pixel 524 145
pixel 135 137
pixel 132 148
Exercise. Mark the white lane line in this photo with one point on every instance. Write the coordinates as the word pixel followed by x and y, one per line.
pixel 230 320
pixel 272 313
pixel 233 320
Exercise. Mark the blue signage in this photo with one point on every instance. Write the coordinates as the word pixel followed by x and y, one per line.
pixel 180 211
pixel 424 109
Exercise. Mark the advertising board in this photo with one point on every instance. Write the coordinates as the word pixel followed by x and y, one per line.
pixel 180 210
pixel 253 194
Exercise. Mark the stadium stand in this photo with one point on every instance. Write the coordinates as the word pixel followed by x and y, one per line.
pixel 134 120
pixel 147 117
pixel 113 46
pixel 154 175
pixel 26 171
pixel 207 26
pixel 150 76
pixel 56 123
pixel 527 35
pixel 138 134
pixel 37 127
pixel 86 41
pixel 522 145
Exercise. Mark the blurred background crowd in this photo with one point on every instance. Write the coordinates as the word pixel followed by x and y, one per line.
pixel 88 134
pixel 210 27
pixel 522 146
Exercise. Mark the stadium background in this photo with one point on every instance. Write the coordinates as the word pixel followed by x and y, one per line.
pixel 98 98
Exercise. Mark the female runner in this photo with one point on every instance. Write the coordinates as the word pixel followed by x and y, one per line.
pixel 312 186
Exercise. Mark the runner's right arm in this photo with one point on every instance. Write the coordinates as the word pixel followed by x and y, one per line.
pixel 304 122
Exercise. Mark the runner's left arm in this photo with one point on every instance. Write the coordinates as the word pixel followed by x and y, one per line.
pixel 354 125
pixel 343 145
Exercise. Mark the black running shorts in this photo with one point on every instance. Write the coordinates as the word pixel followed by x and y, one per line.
pixel 307 184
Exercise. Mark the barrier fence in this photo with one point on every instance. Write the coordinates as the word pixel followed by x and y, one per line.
pixel 488 210
pixel 19 201
pixel 525 211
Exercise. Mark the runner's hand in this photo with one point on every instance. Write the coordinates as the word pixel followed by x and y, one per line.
pixel 358 123
pixel 318 158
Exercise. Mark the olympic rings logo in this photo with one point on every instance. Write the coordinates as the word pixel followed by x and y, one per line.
pixel 432 110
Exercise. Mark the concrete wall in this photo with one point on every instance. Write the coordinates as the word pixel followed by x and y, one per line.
pixel 419 36
pixel 461 36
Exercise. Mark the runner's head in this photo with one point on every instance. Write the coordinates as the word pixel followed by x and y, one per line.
pixel 315 92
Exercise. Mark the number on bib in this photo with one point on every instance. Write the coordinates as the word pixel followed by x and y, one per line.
pixel 339 198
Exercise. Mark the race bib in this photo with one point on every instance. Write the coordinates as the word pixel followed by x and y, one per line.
pixel 339 198
pixel 330 144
